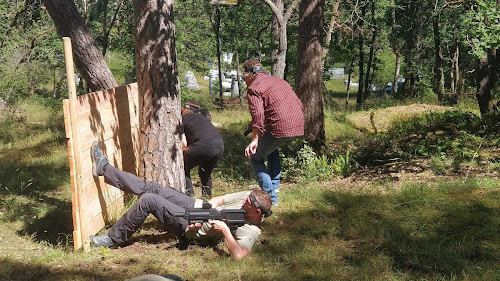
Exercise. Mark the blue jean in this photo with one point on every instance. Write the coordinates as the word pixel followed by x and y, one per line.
pixel 268 177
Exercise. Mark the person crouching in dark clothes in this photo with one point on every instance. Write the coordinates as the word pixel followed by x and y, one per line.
pixel 203 146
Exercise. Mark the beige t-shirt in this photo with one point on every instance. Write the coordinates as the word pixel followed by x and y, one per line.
pixel 246 235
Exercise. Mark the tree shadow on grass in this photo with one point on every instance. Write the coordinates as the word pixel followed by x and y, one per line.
pixel 419 234
pixel 55 227
pixel 93 270
pixel 422 232
pixel 30 185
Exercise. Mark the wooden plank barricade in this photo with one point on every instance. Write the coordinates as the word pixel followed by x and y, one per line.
pixel 110 117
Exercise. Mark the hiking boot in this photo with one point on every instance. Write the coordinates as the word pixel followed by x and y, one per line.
pixel 98 160
pixel 101 241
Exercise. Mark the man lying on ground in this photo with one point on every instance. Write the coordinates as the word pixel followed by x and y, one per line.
pixel 164 202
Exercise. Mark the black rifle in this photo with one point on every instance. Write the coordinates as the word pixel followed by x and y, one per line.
pixel 231 216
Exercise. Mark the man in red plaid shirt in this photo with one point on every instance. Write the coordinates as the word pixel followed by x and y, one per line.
pixel 277 119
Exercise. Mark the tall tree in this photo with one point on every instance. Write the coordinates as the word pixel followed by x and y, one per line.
pixel 484 20
pixel 438 79
pixel 158 82
pixel 309 80
pixel 370 63
pixel 361 65
pixel 396 47
pixel 279 30
pixel 88 58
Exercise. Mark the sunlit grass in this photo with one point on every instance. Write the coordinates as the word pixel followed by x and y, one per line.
pixel 341 229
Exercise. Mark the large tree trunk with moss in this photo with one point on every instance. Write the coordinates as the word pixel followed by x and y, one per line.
pixel 309 81
pixel 87 56
pixel 159 98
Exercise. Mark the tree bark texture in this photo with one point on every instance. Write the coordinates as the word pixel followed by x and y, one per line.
pixel 485 81
pixel 361 46
pixel 159 97
pixel 488 72
pixel 438 81
pixel 369 64
pixel 309 80
pixel 397 68
pixel 276 37
pixel 395 48
pixel 88 58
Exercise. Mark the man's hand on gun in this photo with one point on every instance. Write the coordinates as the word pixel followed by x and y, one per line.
pixel 219 225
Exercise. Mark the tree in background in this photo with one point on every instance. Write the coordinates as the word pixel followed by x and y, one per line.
pixel 279 29
pixel 484 20
pixel 160 100
pixel 309 81
pixel 30 58
pixel 88 58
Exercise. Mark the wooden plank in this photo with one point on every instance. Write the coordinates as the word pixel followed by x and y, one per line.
pixel 112 118
pixel 114 211
pixel 77 242
pixel 101 114
pixel 130 165
pixel 67 122
pixel 110 96
pixel 122 131
pixel 70 76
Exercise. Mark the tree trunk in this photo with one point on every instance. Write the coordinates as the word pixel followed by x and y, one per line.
pixel 361 45
pixel 309 80
pixel 351 64
pixel 159 99
pixel 278 68
pixel 395 84
pixel 485 82
pixel 456 56
pixel 331 26
pixel 487 76
pixel 452 76
pixel 438 83
pixel 395 48
pixel 88 58
pixel 373 34
pixel 276 37
pixel 219 63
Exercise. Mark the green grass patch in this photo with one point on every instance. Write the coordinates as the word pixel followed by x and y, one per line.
pixel 325 228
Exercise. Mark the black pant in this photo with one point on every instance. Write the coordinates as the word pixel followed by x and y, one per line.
pixel 162 202
pixel 205 155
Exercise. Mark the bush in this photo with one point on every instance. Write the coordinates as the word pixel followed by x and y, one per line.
pixel 308 166
pixel 455 134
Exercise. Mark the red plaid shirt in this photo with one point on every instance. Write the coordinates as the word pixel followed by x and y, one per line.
pixel 275 107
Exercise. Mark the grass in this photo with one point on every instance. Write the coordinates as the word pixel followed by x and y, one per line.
pixel 421 226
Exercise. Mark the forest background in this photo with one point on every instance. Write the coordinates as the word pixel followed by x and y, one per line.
pixel 403 185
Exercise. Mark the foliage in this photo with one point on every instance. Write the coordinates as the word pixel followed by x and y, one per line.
pixel 344 165
pixel 307 166
pixel 483 20
pixel 456 134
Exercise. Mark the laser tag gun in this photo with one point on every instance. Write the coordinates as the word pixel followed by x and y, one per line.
pixel 235 217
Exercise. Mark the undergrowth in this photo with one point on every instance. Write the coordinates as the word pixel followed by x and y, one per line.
pixel 452 134
pixel 325 228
